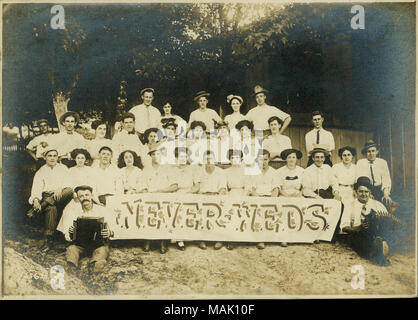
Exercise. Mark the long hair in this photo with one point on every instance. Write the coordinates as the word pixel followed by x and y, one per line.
pixel 137 160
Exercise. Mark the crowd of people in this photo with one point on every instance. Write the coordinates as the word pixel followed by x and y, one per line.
pixel 162 153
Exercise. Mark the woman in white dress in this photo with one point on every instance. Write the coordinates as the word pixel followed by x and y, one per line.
pixel 131 172
pixel 197 142
pixel 345 172
pixel 99 141
pixel 249 146
pixel 235 102
pixel 290 176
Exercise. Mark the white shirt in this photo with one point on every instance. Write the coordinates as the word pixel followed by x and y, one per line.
pixel 206 116
pixel 381 173
pixel 259 115
pixel 185 177
pixel 212 182
pixel 48 179
pixel 315 178
pixel 146 117
pixel 289 180
pixel 326 140
pixel 157 178
pixel 132 179
pixel 277 143
pixel 83 176
pixel 264 182
pixel 233 119
pixel 65 143
pixel 68 218
pixel 107 180
pixel 356 216
pixel 123 141
pixel 35 143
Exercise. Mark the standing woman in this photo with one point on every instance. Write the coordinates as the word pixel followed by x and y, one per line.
pixel 93 146
pixel 130 172
pixel 345 173
pixel 235 102
pixel 180 123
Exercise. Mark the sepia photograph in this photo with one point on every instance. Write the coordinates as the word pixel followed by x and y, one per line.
pixel 208 150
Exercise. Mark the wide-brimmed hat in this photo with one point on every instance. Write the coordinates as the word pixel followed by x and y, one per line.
pixel 233 96
pixel 168 122
pixel 369 144
pixel 363 181
pixel 258 89
pixel 200 94
pixel 316 150
pixel 70 113
pixel 285 153
pixel 244 123
pixel 196 123
pixel 146 90
pixel 155 148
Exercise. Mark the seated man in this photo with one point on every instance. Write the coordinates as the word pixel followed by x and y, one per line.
pixel 318 137
pixel 377 170
pixel 50 191
pixel 370 224
pixel 38 144
pixel 106 176
pixel 98 248
pixel 318 180
pixel 276 142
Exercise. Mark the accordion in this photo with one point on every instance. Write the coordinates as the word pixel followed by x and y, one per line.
pixel 87 231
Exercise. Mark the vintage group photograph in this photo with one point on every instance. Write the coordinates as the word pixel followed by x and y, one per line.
pixel 208 150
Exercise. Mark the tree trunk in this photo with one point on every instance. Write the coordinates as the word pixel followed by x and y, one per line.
pixel 60 101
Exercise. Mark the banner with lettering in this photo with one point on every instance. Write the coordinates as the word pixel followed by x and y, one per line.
pixel 222 218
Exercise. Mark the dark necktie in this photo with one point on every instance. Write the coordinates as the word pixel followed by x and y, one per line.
pixel 291 178
pixel 132 132
pixel 317 137
pixel 246 150
pixel 363 211
pixel 371 171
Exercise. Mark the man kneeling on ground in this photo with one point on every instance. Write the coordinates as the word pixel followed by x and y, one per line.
pixel 98 248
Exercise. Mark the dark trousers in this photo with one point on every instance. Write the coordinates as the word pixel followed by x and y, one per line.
pixel 50 208
pixel 327 161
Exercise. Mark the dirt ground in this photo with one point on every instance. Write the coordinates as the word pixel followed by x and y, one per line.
pixel 299 269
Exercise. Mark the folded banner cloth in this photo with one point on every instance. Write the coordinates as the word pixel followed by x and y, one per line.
pixel 222 218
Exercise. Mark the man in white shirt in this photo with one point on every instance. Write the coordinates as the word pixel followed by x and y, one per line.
pixel 377 170
pixel 260 114
pixel 106 176
pixel 203 113
pixel 276 142
pixel 127 139
pixel 370 224
pixel 318 179
pixel 50 191
pixel 68 140
pixel 146 115
pixel 37 145
pixel 318 137
pixel 99 248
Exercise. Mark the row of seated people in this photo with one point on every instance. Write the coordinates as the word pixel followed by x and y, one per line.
pixel 54 183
